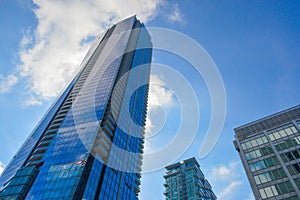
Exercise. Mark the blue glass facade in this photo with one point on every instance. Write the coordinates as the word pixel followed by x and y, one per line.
pixel 87 147
pixel 185 181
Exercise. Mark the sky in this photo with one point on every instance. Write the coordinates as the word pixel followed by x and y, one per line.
pixel 254 44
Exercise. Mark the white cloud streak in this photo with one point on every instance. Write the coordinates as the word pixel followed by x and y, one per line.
pixel 176 15
pixel 224 172
pixel 227 177
pixel 6 83
pixel 52 51
pixel 159 96
pixel 229 189
pixel 1 167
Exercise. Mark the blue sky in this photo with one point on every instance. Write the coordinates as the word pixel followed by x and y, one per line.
pixel 254 44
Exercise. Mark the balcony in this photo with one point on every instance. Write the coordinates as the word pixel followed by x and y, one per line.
pixel 40 150
pixel 36 157
pixel 107 130
pixel 137 181
pixel 136 190
pixel 44 143
pixel 140 156
pixel 54 125
pixel 139 169
pixel 109 124
pixel 51 131
pixel 47 137
pixel 57 120
pixel 140 162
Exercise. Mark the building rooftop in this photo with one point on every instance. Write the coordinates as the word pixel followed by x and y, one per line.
pixel 268 122
pixel 193 159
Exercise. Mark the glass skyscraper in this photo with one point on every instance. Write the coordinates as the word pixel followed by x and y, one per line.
pixel 185 181
pixel 89 144
pixel 270 152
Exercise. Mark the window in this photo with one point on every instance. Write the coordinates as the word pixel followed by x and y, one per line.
pixel 266 151
pixel 290 142
pixel 281 146
pixel 262 164
pixel 276 135
pixel 296 140
pixel 262 178
pixel 282 133
pixel 297 181
pixel 294 169
pixel 294 130
pixel 296 154
pixel 254 143
pixel 284 187
pixel 258 153
pixel 253 154
pixel 289 131
pixel 259 141
pixel 257 166
pixel 278 173
pixel 257 180
pixel 270 162
pixel 262 194
pixel 269 176
pixel 268 192
pixel 293 155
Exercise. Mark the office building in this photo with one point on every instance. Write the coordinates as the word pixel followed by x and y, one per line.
pixel 87 146
pixel 185 181
pixel 270 152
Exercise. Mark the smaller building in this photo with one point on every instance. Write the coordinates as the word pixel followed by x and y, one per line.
pixel 185 181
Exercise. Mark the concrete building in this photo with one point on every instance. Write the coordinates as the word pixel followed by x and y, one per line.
pixel 270 152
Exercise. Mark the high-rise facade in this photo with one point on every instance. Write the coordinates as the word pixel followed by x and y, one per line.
pixel 185 181
pixel 89 144
pixel 270 152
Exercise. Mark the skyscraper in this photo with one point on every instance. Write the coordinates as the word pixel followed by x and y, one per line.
pixel 89 144
pixel 185 181
pixel 270 152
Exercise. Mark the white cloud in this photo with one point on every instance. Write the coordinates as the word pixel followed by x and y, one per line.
pixel 227 177
pixel 225 172
pixel 32 101
pixel 6 83
pixel 1 167
pixel 149 126
pixel 229 189
pixel 26 39
pixel 159 96
pixel 222 171
pixel 51 52
pixel 176 15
